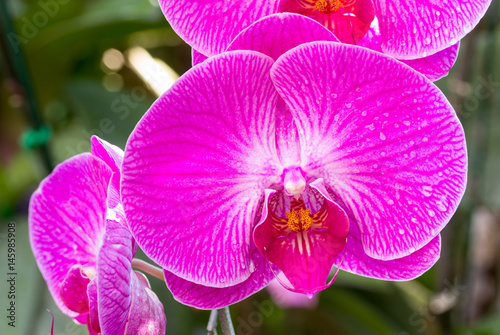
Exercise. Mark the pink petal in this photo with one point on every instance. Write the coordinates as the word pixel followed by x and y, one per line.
pixel 384 138
pixel 414 29
pixel 81 318
pixel 195 169
pixel 91 331
pixel 284 298
pixel 114 270
pixel 197 57
pixel 66 219
pixel 115 208
pixel 118 286
pixel 287 137
pixel 146 316
pixel 434 67
pixel 210 25
pixel 204 297
pixel 305 257
pixel 276 34
pixel 405 268
pixel 109 153
pixel 93 316
pixel 349 22
pixel 73 290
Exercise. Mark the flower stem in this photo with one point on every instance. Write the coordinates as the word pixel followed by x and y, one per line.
pixel 212 323
pixel 225 321
pixel 148 268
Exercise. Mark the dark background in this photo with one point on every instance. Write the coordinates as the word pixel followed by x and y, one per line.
pixel 81 60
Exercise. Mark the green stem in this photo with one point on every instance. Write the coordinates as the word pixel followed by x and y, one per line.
pixel 212 323
pixel 148 268
pixel 16 65
pixel 225 321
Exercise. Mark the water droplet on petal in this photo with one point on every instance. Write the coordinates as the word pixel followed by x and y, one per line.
pixel 427 190
pixel 401 231
pixel 310 295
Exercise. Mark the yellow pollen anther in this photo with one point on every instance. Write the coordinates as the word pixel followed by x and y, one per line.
pixel 301 223
pixel 293 220
pixel 305 217
pixel 327 6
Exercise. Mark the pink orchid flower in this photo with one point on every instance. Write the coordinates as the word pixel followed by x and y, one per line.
pixel 408 29
pixel 434 67
pixel 249 166
pixel 83 248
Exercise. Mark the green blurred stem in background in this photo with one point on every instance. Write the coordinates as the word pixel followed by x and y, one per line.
pixel 38 135
pixel 225 321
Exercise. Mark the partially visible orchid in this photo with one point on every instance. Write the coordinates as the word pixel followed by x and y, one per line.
pixel 408 29
pixel 330 155
pixel 82 245
pixel 433 67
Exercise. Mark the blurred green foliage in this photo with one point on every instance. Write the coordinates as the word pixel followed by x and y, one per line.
pixel 76 92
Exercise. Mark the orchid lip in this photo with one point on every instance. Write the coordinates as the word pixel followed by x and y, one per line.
pixel 309 293
pixel 304 246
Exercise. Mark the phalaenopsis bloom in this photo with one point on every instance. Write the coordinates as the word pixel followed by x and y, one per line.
pixel 84 249
pixel 326 154
pixel 404 29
